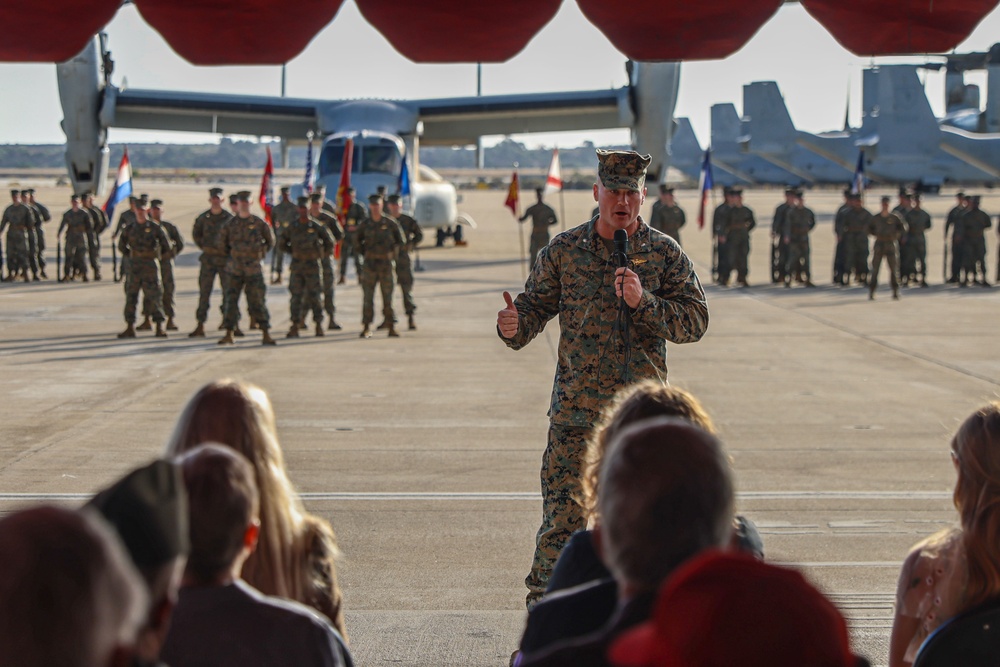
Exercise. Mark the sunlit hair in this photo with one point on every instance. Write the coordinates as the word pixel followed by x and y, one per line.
pixel 643 400
pixel 976 447
pixel 239 414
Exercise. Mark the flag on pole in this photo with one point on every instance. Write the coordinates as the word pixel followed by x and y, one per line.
pixel 403 185
pixel 513 195
pixel 123 186
pixel 344 199
pixel 705 184
pixel 307 182
pixel 553 182
pixel 265 198
pixel 858 183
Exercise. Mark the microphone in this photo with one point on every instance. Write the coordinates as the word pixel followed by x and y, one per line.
pixel 621 248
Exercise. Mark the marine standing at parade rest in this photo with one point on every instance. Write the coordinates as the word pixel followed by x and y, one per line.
pixel 127 218
pixel 975 222
pixel 167 259
pixel 853 231
pixel 307 240
pixel 719 218
pixel 41 215
pixel 143 242
pixel 247 240
pixel 32 236
pixel 917 222
pixel 887 229
pixel 18 221
pixel 799 221
pixel 779 246
pixel 207 235
pixel 954 222
pixel 379 240
pixel 666 215
pixel 412 236
pixel 79 235
pixel 577 279
pixel 840 250
pixel 99 220
pixel 542 217
pixel 352 218
pixel 326 218
pixel 282 214
pixel 739 222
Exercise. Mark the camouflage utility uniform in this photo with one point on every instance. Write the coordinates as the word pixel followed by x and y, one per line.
pixel 379 243
pixel 739 222
pixel 99 219
pixel 126 219
pixel 246 242
pixel 542 217
pixel 779 247
pixel 18 220
pixel 207 235
pixel 329 222
pixel 668 219
pixel 918 221
pixel 573 279
pixel 412 236
pixel 974 223
pixel 283 214
pixel 722 266
pixel 798 223
pixel 887 230
pixel 954 222
pixel 42 216
pixel 79 235
pixel 307 242
pixel 167 267
pixel 854 231
pixel 143 243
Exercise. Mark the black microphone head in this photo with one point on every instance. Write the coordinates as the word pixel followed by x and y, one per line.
pixel 621 236
pixel 621 247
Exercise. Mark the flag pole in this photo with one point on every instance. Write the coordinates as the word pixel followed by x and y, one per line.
pixel 520 227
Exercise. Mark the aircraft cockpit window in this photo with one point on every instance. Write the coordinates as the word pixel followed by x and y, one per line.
pixel 332 159
pixel 379 160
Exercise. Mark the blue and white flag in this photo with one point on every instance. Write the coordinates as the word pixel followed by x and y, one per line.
pixel 403 186
pixel 858 183
pixel 705 185
pixel 123 186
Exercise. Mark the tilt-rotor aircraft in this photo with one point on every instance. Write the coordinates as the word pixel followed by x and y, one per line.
pixel 384 132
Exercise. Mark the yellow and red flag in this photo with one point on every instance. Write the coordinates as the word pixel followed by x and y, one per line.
pixel 513 195
pixel 266 202
pixel 344 199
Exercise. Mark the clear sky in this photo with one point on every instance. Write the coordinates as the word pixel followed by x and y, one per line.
pixel 350 59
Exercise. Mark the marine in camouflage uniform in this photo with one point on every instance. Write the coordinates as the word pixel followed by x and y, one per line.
pixel 319 212
pixel 954 222
pixel 379 240
pixel 917 221
pixel 975 222
pixel 542 217
pixel 666 215
pixel 246 239
pixel 738 224
pixel 282 214
pixel 853 231
pixel 99 220
pixel 412 235
pixel 719 217
pixel 799 221
pixel 207 235
pixel 143 242
pixel 887 229
pixel 167 260
pixel 124 220
pixel 41 215
pixel 779 244
pixel 307 240
pixel 79 235
pixel 575 278
pixel 18 221
pixel 349 249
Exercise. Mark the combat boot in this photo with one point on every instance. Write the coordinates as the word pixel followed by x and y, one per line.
pixel 366 332
pixel 333 326
pixel 895 295
pixel 253 323
pixel 170 324
pixel 129 331
pixel 342 280
pixel 199 331
pixel 42 271
pixel 319 329
pixel 412 325
pixel 146 325
pixel 160 333
pixel 85 278
pixel 34 277
pixel 810 283
pixel 238 332
pixel 392 331
pixel 293 332
pixel 97 274
pixel 276 281
pixel 384 325
pixel 228 338
pixel 267 340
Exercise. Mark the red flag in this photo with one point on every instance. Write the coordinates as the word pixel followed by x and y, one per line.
pixel 513 194
pixel 266 202
pixel 344 199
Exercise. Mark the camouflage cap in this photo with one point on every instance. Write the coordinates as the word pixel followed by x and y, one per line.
pixel 375 199
pixel 853 196
pixel 156 203
pixel 394 199
pixel 316 198
pixel 960 194
pixel 233 198
pixel 885 199
pixel 622 170
pixel 144 199
pixel 86 193
pixel 73 198
pixel 302 201
pixel 15 192
pixel 148 509
pixel 243 195
pixel 215 192
pixel 27 192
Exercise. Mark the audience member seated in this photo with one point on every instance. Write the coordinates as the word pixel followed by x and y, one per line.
pixel 582 595
pixel 148 510
pixel 296 552
pixel 221 621
pixel 731 610
pixel 958 568
pixel 68 595
pixel 666 495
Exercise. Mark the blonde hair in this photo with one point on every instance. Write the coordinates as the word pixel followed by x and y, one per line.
pixel 649 398
pixel 239 415
pixel 976 447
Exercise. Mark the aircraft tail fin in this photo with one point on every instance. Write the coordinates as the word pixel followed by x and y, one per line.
pixel 725 128
pixel 898 119
pixel 685 151
pixel 767 124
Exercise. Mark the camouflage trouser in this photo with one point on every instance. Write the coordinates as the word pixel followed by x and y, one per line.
pixel 974 254
pixel 562 515
pixel 143 274
pixel 890 251
pixel 917 251
pixel 33 250
pixel 17 252
pixel 95 254
pixel 738 246
pixel 779 260
pixel 40 246
pixel 76 258
pixel 167 276
pixel 404 276
pixel 537 243
pixel 839 260
pixel 722 265
pixel 304 285
pixel 328 281
pixel 376 271
pixel 957 256
pixel 798 259
pixel 348 249
pixel 278 260
pixel 211 265
pixel 856 254
pixel 256 292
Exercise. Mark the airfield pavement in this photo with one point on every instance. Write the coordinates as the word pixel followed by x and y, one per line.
pixel 424 451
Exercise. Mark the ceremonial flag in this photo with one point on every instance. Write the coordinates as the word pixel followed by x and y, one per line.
pixel 705 184
pixel 123 186
pixel 307 182
pixel 513 194
pixel 403 185
pixel 344 200
pixel 553 182
pixel 858 183
pixel 266 202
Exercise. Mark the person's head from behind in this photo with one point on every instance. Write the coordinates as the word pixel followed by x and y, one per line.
pixel 148 510
pixel 666 495
pixel 976 453
pixel 222 513
pixel 643 400
pixel 69 596
pixel 720 610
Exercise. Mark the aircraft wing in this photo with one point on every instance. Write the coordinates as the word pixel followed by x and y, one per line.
pixel 462 120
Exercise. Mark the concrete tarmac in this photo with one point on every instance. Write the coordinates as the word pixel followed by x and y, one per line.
pixel 424 451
